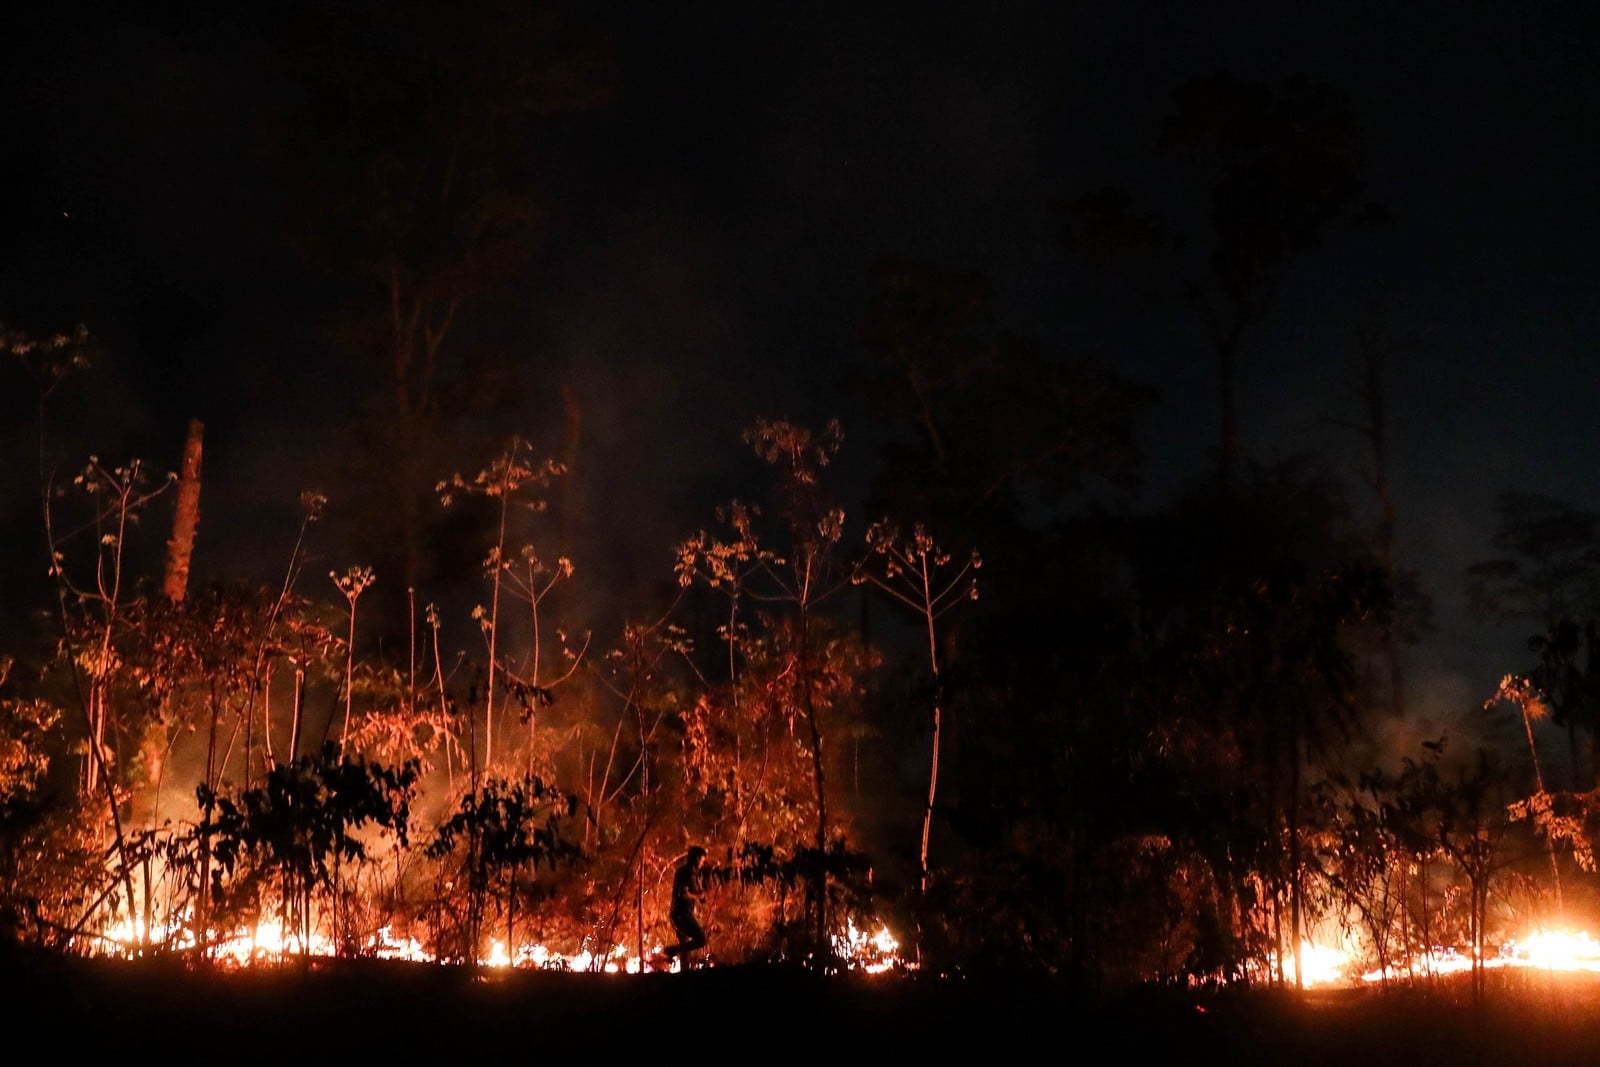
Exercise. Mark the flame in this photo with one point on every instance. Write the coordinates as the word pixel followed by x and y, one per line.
pixel 266 942
pixel 1544 948
pixel 871 950
pixel 1557 950
pixel 1323 965
pixel 870 953
pixel 875 952
pixel 1550 949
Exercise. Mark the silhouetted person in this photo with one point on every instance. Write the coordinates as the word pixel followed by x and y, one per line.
pixel 688 883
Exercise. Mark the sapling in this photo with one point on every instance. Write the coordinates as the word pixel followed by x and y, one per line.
pixel 352 583
pixel 508 482
pixel 915 573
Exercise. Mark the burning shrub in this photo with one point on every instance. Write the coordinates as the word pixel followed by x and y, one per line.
pixel 297 829
pixel 493 846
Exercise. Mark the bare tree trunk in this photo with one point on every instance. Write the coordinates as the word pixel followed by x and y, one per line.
pixel 1296 875
pixel 299 704
pixel 185 517
pixel 933 763
pixel 820 930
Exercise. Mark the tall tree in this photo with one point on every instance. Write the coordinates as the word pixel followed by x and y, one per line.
pixel 1376 348
pixel 1281 166
pixel 421 134
pixel 515 483
pixel 983 423
pixel 922 579
pixel 1253 627
pixel 1000 444
pixel 794 569
pixel 185 516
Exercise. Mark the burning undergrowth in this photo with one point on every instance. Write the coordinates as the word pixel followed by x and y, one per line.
pixel 248 774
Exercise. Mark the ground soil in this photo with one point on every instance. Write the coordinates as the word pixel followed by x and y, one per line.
pixel 393 1013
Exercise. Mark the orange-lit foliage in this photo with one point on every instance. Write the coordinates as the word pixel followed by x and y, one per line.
pixel 271 764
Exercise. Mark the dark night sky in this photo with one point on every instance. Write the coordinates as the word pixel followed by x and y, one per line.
pixel 711 232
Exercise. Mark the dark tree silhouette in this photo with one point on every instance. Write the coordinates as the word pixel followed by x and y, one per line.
pixel 1547 575
pixel 982 422
pixel 418 149
pixel 1281 166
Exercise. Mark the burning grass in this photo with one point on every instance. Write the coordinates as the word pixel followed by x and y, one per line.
pixel 268 945
pixel 1550 949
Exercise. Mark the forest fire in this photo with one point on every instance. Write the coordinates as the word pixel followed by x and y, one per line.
pixel 872 953
pixel 261 944
pixel 1542 949
pixel 877 952
pixel 301 770
pixel 267 944
pixel 1022 497
pixel 1547 949
pixel 1556 950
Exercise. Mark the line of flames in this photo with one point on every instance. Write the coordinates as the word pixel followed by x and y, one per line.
pixel 267 943
pixel 870 952
pixel 1542 949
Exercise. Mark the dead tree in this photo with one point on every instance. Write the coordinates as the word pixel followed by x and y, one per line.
pixel 185 517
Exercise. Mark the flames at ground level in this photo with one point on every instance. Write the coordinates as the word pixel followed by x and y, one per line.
pixel 865 951
pixel 266 943
pixel 1549 949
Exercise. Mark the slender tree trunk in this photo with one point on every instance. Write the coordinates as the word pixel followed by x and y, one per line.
pixel 185 518
pixel 349 675
pixel 808 702
pixel 933 764
pixel 297 711
pixel 1296 879
pixel 494 633
pixel 202 930
pixel 511 911
pixel 739 804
